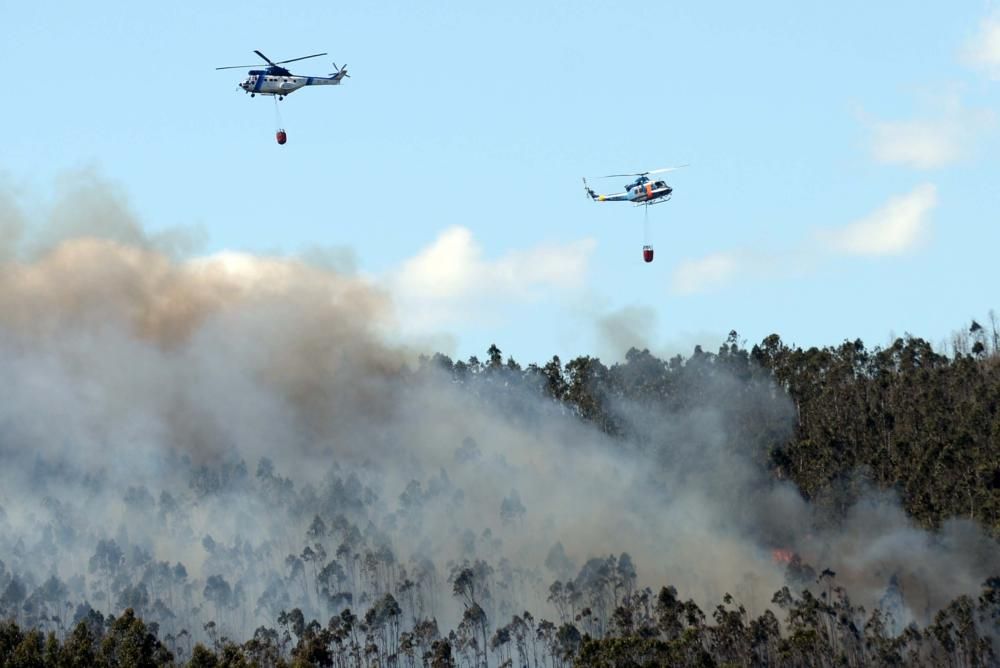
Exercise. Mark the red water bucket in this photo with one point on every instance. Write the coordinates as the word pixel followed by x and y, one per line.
pixel 281 136
pixel 647 253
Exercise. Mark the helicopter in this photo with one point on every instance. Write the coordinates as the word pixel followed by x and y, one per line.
pixel 642 191
pixel 278 81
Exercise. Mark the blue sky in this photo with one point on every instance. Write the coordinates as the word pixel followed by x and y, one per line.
pixel 843 179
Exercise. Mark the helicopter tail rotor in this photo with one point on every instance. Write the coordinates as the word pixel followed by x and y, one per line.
pixel 341 71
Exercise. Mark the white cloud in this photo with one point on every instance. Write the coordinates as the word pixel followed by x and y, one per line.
pixel 983 50
pixel 707 273
pixel 896 227
pixel 920 144
pixel 951 134
pixel 450 280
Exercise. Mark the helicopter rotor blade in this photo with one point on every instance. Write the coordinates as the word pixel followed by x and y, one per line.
pixel 282 62
pixel 653 171
pixel 666 169
pixel 265 58
pixel 270 62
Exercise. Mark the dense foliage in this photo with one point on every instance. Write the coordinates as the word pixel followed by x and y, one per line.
pixel 644 630
pixel 836 421
pixel 903 417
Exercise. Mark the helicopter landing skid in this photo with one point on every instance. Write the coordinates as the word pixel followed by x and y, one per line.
pixel 659 201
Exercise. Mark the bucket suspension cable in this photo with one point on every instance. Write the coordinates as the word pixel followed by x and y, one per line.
pixel 647 248
pixel 277 115
pixel 645 225
pixel 279 133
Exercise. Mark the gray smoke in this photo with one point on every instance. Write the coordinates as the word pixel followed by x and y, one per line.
pixel 204 411
pixel 624 328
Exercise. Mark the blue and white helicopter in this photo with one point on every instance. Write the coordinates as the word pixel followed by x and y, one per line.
pixel 278 81
pixel 641 191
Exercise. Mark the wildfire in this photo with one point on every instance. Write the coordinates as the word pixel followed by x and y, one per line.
pixel 780 555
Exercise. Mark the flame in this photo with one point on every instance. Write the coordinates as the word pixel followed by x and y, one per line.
pixel 780 555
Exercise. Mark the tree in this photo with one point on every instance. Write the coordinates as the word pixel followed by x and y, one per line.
pixel 474 623
pixel 440 654
pixel 219 593
pixel 13 595
pixel 495 357
pixel 555 385
pixel 383 618
pixel 79 649
pixel 129 643
pixel 106 561
pixel 135 597
pixel 202 657
pixel 511 508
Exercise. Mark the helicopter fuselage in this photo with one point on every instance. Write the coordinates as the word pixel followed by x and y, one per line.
pixel 645 192
pixel 265 82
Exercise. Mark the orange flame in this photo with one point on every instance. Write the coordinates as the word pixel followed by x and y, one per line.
pixel 782 556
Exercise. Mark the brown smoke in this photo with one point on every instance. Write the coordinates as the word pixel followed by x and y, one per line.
pixel 91 288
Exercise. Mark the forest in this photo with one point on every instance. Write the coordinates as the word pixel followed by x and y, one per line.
pixel 762 505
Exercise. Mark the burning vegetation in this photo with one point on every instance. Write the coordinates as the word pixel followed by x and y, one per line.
pixel 221 462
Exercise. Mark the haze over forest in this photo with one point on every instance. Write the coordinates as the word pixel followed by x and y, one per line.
pixel 230 447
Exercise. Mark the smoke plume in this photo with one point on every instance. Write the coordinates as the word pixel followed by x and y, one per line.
pixel 205 411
